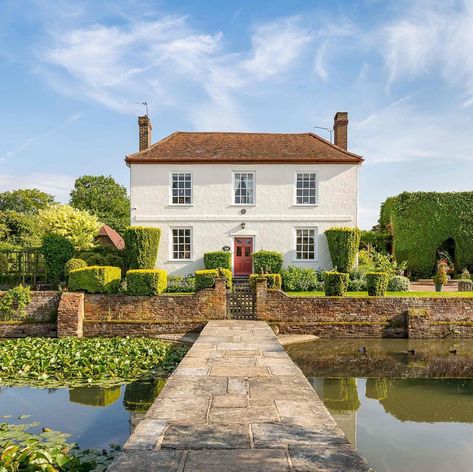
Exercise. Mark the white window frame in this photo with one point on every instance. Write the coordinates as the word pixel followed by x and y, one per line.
pixel 171 243
pixel 234 188
pixel 173 172
pixel 316 233
pixel 296 173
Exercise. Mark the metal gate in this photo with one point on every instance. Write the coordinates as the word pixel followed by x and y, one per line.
pixel 241 303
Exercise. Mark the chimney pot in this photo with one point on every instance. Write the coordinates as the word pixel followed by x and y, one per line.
pixel 340 127
pixel 145 127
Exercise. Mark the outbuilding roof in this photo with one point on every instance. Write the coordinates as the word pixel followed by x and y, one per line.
pixel 228 147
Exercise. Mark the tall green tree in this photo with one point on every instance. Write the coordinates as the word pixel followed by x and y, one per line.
pixel 27 201
pixel 103 197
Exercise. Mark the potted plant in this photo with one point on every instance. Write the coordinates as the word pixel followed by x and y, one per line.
pixel 440 278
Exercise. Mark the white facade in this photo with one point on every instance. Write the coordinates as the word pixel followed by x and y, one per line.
pixel 215 220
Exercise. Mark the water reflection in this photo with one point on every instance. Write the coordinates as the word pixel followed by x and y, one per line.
pixel 406 405
pixel 94 416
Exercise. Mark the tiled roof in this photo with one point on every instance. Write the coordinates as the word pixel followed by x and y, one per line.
pixel 216 147
pixel 114 237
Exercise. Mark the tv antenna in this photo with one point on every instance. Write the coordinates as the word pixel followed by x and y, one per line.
pixel 330 130
pixel 145 104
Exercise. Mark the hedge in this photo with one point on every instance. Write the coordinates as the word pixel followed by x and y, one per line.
pixel 142 244
pixel 377 283
pixel 343 244
pixel 274 281
pixel 56 250
pixel 206 278
pixel 146 281
pixel 177 284
pixel 335 283
pixel 95 279
pixel 72 264
pixel 218 259
pixel 422 222
pixel 267 262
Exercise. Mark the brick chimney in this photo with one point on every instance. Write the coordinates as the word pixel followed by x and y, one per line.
pixel 340 128
pixel 145 127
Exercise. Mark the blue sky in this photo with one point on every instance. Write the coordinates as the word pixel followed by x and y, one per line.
pixel 73 73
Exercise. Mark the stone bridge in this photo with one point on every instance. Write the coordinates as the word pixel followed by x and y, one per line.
pixel 237 402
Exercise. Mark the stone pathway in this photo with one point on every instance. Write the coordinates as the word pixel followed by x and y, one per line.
pixel 237 403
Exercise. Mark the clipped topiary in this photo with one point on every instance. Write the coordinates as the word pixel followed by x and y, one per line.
pixel 377 283
pixel 398 284
pixel 142 244
pixel 95 279
pixel 274 281
pixel 206 278
pixel 267 262
pixel 146 281
pixel 56 250
pixel 335 283
pixel 72 264
pixel 218 259
pixel 343 244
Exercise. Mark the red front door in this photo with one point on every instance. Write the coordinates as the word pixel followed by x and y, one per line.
pixel 242 264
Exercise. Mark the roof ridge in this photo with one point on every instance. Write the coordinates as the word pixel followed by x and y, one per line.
pixel 338 148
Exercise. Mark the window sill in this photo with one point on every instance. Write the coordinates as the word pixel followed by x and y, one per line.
pixel 243 205
pixel 177 205
pixel 180 260
pixel 304 260
pixel 304 205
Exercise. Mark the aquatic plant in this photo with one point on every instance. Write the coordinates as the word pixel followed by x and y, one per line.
pixel 87 361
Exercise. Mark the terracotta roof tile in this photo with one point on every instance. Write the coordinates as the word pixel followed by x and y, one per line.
pixel 216 147
pixel 114 237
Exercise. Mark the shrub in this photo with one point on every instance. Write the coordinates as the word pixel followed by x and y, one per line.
pixel 146 281
pixel 14 302
pixel 274 281
pixel 440 278
pixel 267 262
pixel 373 261
pixel 357 284
pixel 377 283
pixel 335 283
pixel 343 245
pixel 465 275
pixel 103 256
pixel 398 284
pixel 206 278
pixel 72 264
pixel 178 284
pixel 56 250
pixel 299 279
pixel 465 285
pixel 95 279
pixel 142 244
pixel 216 259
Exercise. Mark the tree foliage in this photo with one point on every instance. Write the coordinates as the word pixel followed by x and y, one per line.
pixel 79 227
pixel 422 222
pixel 19 229
pixel 103 197
pixel 28 201
pixel 57 250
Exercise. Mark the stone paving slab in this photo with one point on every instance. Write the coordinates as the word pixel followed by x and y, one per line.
pixel 237 403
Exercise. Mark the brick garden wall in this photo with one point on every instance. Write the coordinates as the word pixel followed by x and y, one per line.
pixel 40 319
pixel 117 315
pixel 366 317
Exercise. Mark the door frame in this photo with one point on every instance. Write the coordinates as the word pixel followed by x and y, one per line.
pixel 233 250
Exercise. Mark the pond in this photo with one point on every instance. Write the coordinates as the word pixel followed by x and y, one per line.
pixel 95 417
pixel 406 405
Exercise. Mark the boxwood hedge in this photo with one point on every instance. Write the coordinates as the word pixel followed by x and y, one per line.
pixel 336 283
pixel 343 245
pixel 206 278
pixel 95 279
pixel 267 262
pixel 142 244
pixel 273 281
pixel 216 259
pixel 146 281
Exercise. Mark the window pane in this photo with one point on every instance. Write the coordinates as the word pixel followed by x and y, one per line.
pixel 181 188
pixel 306 189
pixel 181 243
pixel 244 188
pixel 305 244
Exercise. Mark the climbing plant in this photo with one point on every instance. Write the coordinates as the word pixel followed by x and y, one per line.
pixel 422 222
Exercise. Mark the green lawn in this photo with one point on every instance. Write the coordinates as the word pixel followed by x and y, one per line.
pixel 389 294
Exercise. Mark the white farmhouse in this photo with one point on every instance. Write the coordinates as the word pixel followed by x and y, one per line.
pixel 242 192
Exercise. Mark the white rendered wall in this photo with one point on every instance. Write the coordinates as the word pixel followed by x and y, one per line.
pixel 215 220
